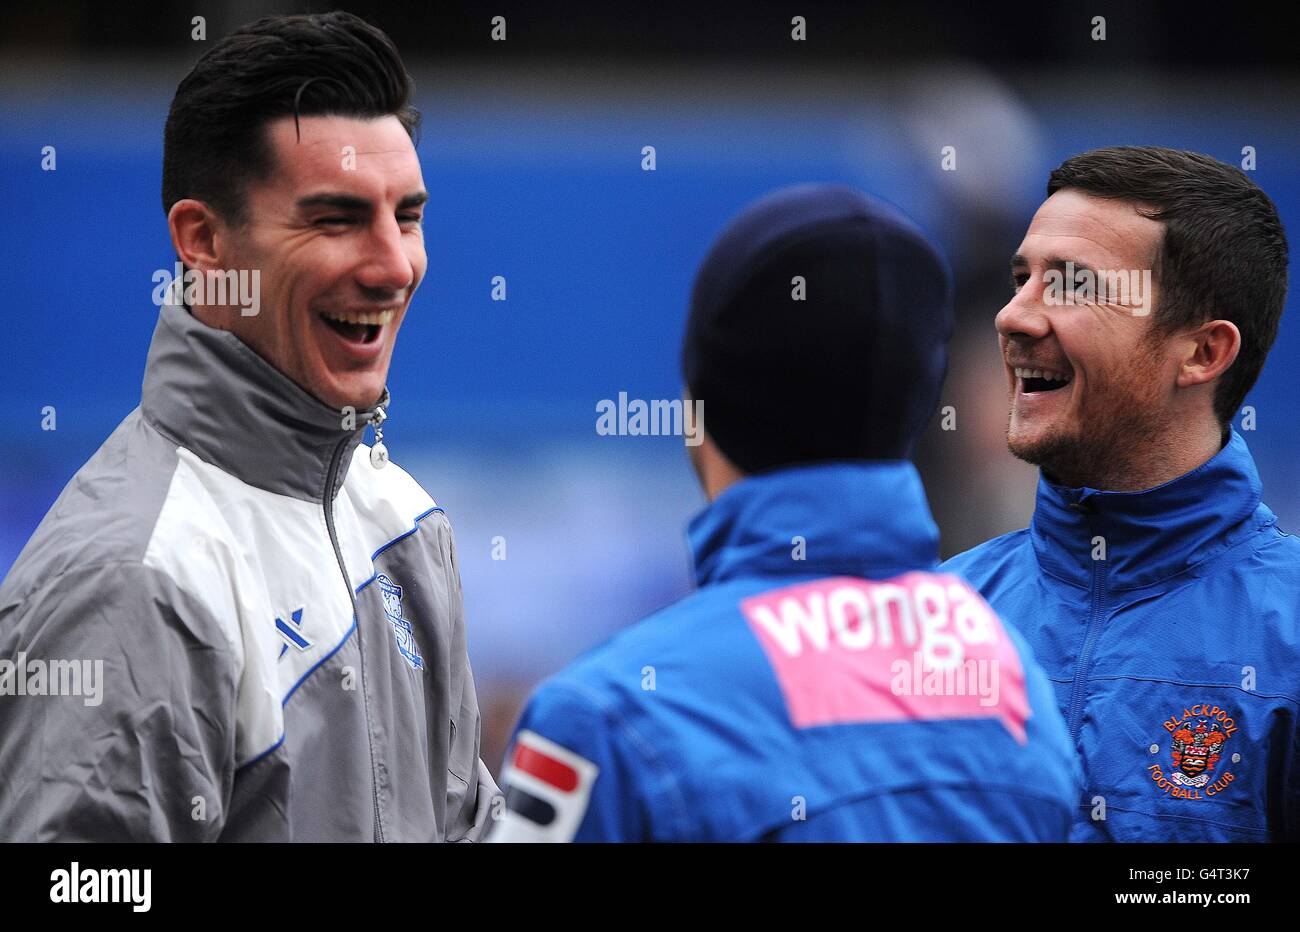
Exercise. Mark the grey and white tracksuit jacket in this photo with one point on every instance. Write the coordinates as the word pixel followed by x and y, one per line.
pixel 279 625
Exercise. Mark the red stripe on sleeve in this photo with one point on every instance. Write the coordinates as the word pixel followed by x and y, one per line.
pixel 545 768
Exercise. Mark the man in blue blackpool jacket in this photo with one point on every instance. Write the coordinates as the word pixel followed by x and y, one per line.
pixel 1153 584
pixel 824 683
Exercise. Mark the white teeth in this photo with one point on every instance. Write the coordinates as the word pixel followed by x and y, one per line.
pixel 377 318
pixel 1042 374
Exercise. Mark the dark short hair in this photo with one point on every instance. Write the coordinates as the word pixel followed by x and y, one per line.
pixel 1223 255
pixel 316 64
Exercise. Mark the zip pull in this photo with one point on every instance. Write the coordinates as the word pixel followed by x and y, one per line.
pixel 379 452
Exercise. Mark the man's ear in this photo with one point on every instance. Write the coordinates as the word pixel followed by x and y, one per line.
pixel 1210 349
pixel 194 228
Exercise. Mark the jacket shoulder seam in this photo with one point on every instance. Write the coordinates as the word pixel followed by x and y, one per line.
pixel 85 568
pixel 609 711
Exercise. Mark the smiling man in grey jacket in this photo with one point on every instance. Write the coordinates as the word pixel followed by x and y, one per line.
pixel 238 622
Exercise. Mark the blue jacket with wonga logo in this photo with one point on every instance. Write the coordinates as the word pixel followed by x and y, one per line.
pixel 1169 624
pixel 824 684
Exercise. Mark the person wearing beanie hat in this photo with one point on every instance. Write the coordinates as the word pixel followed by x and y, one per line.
pixel 818 331
pixel 824 683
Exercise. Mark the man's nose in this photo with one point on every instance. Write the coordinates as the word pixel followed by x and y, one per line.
pixel 387 265
pixel 1024 315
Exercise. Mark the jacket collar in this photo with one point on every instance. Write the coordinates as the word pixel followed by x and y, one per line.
pixel 208 392
pixel 1152 535
pixel 867 519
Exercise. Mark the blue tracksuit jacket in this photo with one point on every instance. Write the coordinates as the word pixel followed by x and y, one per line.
pixel 1169 624
pixel 824 684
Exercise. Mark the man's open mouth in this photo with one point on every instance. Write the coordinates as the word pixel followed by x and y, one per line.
pixel 359 327
pixel 1041 380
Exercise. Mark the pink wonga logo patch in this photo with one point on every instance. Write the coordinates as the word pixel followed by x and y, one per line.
pixel 922 646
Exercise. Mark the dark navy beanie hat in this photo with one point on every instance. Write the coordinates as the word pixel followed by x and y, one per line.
pixel 852 371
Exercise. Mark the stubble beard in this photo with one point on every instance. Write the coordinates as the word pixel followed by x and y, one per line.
pixel 1113 441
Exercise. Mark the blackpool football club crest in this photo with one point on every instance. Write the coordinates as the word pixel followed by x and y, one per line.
pixel 402 631
pixel 1198 738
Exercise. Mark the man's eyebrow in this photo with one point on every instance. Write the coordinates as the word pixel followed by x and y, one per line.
pixel 336 201
pixel 1052 262
pixel 354 204
pixel 1059 263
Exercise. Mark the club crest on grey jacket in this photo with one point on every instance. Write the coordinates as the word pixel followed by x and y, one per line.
pixel 1169 623
pixel 279 625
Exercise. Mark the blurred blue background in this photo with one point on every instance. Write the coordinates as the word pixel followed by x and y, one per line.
pixel 533 164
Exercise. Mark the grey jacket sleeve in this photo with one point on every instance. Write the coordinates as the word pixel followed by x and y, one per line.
pixel 125 726
pixel 472 794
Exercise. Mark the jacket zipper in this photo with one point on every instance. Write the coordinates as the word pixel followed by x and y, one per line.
pixel 1089 643
pixel 328 503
